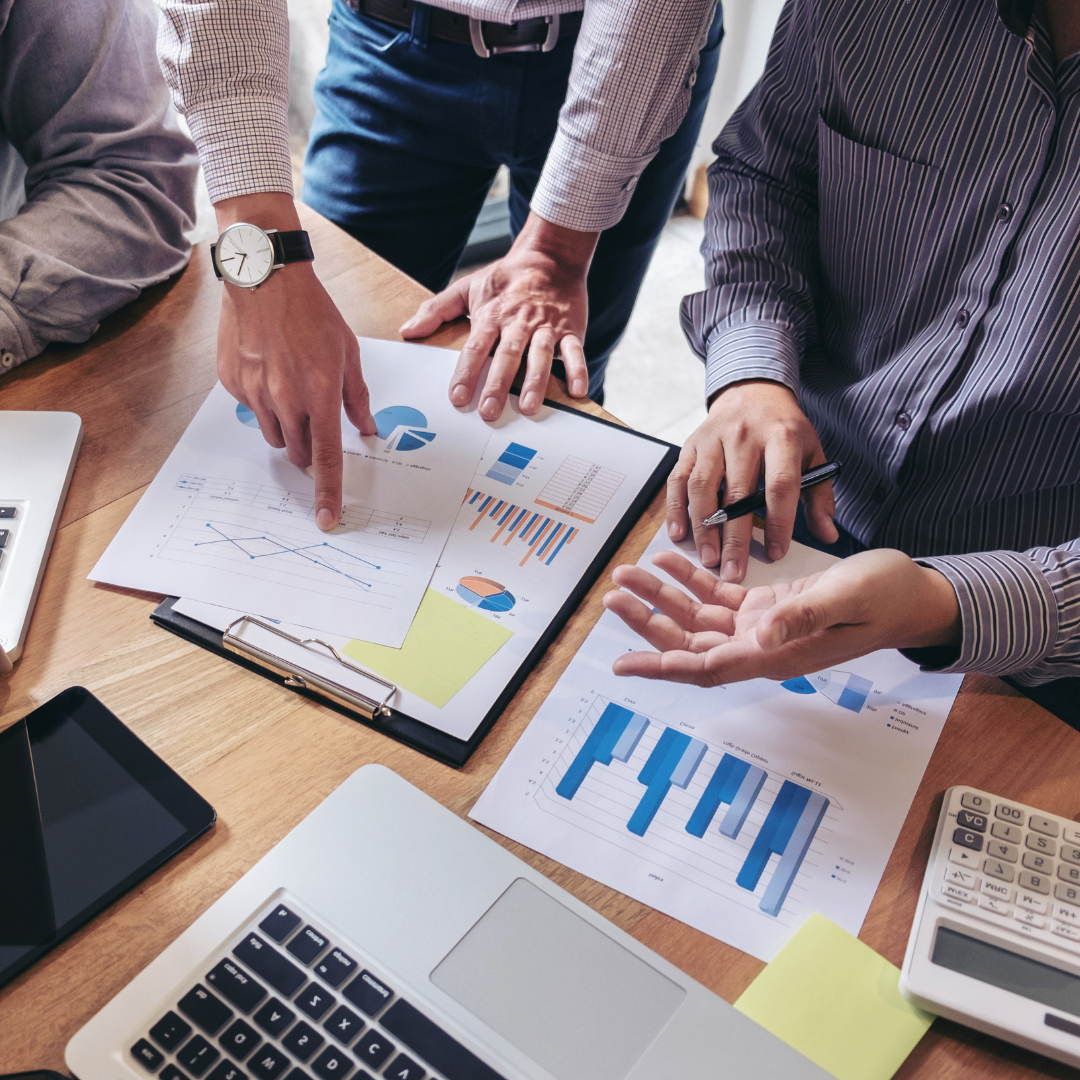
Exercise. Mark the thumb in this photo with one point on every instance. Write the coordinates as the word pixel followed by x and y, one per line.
pixel 444 307
pixel 806 613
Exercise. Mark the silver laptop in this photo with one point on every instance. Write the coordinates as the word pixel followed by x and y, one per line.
pixel 384 937
pixel 37 458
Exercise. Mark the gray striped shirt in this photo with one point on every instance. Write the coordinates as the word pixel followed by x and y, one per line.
pixel 894 233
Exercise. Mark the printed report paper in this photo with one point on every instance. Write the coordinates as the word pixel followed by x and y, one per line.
pixel 738 809
pixel 230 520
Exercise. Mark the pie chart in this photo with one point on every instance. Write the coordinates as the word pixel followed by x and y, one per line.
pixel 403 427
pixel 485 594
pixel 246 417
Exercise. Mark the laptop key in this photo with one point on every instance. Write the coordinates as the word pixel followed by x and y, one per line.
pixel 283 975
pixel 344 1025
pixel 236 985
pixel 171 1072
pixel 274 1017
pixel 302 1041
pixel 240 1039
pixel 367 993
pixel 7 511
pixel 149 1057
pixel 269 1063
pixel 197 1056
pixel 298 1074
pixel 373 1049
pixel 440 1050
pixel 314 1001
pixel 404 1068
pixel 332 1064
pixel 170 1031
pixel 201 1006
pixel 4 533
pixel 335 967
pixel 280 923
pixel 226 1070
pixel 307 944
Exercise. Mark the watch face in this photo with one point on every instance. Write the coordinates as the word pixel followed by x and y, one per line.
pixel 245 255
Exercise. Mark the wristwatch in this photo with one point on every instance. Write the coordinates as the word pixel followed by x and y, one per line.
pixel 246 255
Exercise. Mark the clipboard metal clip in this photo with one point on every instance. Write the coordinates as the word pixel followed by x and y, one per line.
pixel 369 707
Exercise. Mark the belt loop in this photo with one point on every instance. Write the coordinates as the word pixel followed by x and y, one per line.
pixel 421 20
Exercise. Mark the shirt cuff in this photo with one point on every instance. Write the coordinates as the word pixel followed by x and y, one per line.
pixel 584 189
pixel 244 146
pixel 17 343
pixel 1008 613
pixel 753 350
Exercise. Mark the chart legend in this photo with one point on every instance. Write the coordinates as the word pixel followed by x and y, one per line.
pixel 511 463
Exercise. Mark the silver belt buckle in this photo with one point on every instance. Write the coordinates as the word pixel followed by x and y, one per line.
pixel 476 33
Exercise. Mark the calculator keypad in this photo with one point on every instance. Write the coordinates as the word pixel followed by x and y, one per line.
pixel 1012 867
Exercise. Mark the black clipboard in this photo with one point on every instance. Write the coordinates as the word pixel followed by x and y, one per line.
pixel 398 725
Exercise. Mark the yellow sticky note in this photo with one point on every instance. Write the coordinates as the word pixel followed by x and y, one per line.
pixel 445 647
pixel 837 1002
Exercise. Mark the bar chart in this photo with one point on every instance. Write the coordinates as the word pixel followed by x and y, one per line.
pixel 543 537
pixel 511 463
pixel 613 758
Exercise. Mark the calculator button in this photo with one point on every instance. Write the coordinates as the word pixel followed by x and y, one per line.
pixel 967 820
pixel 1012 834
pixel 997 869
pixel 996 890
pixel 1067 913
pixel 1045 825
pixel 1040 843
pixel 1006 852
pixel 1070 832
pixel 1029 918
pixel 1012 814
pixel 968 839
pixel 1031 902
pixel 1069 893
pixel 961 857
pixel 1070 854
pixel 979 803
pixel 991 903
pixel 1035 882
pixel 1066 931
pixel 1041 864
pixel 954 892
pixel 1071 874
pixel 959 876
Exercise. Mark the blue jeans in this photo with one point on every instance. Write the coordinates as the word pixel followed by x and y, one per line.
pixel 409 132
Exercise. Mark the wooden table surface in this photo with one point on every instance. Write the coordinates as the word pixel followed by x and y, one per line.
pixel 264 757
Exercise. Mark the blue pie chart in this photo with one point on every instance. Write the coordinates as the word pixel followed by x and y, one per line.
pixel 485 594
pixel 390 422
pixel 247 417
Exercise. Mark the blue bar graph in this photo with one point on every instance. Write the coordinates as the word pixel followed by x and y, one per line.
pixel 735 782
pixel 674 761
pixel 511 462
pixel 788 831
pixel 614 737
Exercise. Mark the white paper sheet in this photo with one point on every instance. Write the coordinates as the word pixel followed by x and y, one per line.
pixel 531 521
pixel 847 748
pixel 229 520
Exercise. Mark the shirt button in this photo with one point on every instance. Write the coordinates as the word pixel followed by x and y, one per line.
pixel 691 79
pixel 630 184
pixel 903 421
pixel 7 359
pixel 1004 212
pixel 963 317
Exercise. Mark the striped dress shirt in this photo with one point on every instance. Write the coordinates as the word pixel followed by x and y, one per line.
pixel 635 62
pixel 894 234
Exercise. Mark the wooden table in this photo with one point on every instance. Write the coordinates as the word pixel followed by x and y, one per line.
pixel 265 757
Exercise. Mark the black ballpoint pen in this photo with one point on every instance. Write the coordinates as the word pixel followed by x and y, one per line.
pixel 817 475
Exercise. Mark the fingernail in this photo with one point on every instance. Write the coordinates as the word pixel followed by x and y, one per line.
pixel 579 388
pixel 673 531
pixel 406 325
pixel 325 519
pixel 776 552
pixel 730 571
pixel 530 402
pixel 490 408
pixel 708 555
pixel 460 395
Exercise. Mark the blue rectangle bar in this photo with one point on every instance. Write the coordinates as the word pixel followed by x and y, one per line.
pixel 775 832
pixel 520 451
pixel 515 462
pixel 475 497
pixel 548 539
pixel 558 547
pixel 504 474
pixel 510 510
pixel 674 760
pixel 598 747
pixel 485 504
pixel 629 739
pixel 744 799
pixel 794 852
pixel 499 506
pixel 721 788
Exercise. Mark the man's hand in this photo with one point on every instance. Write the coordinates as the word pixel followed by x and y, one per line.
pixel 749 424
pixel 533 298
pixel 286 353
pixel 874 600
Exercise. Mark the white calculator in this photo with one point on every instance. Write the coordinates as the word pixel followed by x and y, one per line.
pixel 996 940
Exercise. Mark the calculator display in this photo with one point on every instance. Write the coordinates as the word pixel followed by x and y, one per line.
pixel 1007 970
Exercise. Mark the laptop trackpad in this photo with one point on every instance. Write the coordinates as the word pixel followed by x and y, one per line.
pixel 560 990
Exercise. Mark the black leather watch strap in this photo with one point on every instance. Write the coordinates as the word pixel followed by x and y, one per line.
pixel 290 247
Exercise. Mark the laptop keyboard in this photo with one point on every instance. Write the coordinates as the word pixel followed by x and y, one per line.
pixel 288 1003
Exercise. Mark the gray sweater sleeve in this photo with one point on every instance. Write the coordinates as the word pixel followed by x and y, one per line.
pixel 110 176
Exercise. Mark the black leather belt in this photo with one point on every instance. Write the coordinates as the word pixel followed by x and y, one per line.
pixel 486 38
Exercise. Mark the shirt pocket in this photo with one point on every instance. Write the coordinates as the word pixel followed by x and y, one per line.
pixel 873 212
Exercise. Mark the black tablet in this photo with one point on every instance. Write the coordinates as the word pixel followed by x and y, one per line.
pixel 87 810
